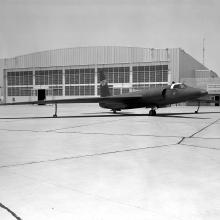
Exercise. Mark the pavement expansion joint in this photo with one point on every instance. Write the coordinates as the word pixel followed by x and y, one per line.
pixel 89 133
pixel 83 125
pixel 10 211
pixel 119 134
pixel 85 156
pixel 196 146
pixel 182 139
pixel 205 127
pixel 197 132
pixel 16 130
pixel 207 138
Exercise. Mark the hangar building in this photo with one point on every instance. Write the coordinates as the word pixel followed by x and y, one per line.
pixel 73 72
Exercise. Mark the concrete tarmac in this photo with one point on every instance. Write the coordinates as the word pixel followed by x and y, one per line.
pixel 90 164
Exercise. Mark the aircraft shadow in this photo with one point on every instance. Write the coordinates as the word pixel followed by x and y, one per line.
pixel 119 114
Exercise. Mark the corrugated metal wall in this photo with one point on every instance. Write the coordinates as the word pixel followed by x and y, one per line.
pixel 201 82
pixel 202 73
pixel 189 65
pixel 87 56
pixel 174 63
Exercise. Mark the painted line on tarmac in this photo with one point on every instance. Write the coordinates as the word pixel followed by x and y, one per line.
pixel 86 155
pixel 10 211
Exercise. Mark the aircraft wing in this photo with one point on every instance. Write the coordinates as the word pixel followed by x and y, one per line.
pixel 119 98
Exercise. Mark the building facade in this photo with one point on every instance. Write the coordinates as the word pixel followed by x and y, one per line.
pixel 73 72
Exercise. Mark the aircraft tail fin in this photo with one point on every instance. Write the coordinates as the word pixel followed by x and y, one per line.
pixel 104 90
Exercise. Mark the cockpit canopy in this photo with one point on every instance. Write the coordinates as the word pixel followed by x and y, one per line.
pixel 178 86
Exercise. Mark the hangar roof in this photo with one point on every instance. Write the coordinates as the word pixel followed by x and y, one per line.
pixel 88 56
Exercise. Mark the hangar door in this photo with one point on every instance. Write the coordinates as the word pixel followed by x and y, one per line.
pixel 41 96
pixel 217 100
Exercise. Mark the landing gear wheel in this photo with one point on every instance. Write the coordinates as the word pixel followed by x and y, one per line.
pixel 114 111
pixel 152 112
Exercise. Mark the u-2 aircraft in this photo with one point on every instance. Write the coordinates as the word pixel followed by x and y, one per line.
pixel 152 98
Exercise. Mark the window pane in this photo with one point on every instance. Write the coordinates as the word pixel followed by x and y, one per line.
pixel 135 77
pixel 127 77
pixel 159 76
pixel 147 77
pixel 115 77
pixel 55 77
pixel 60 77
pixel 134 68
pixel 152 76
pixel 67 76
pixel 76 90
pixel 140 77
pixel 152 68
pixel 81 90
pixel 17 79
pixel 165 76
pixel 81 78
pixel 141 68
pixel 165 67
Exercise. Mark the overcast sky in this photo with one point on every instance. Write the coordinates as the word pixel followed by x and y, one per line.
pixel 28 26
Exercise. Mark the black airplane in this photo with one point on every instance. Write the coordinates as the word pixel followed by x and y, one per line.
pixel 152 98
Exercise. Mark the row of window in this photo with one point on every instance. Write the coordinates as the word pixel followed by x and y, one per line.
pixel 54 91
pixel 28 91
pixel 149 68
pixel 145 86
pixel 20 91
pixel 48 77
pixel 114 91
pixel 80 76
pixel 79 90
pixel 118 91
pixel 85 78
pixel 86 90
pixel 115 74
pixel 20 78
pixel 87 70
pixel 114 69
pixel 158 73
pixel 150 77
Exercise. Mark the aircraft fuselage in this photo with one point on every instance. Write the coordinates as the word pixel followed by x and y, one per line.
pixel 155 98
